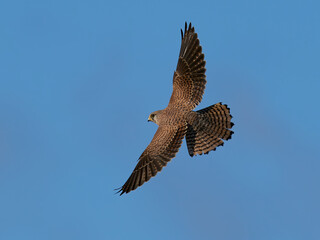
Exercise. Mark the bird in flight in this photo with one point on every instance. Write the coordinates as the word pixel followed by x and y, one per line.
pixel 204 129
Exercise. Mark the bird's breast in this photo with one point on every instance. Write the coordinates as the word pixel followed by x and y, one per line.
pixel 173 116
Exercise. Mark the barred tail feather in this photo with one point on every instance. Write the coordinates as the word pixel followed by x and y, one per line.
pixel 207 128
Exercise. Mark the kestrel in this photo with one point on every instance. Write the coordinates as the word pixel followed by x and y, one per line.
pixel 204 130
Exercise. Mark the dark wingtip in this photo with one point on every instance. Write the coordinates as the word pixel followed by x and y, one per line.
pixel 118 190
pixel 187 29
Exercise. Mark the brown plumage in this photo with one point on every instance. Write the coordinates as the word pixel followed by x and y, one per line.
pixel 204 129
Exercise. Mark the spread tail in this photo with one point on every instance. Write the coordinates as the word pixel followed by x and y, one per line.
pixel 207 128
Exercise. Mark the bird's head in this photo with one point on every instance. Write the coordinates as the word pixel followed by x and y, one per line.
pixel 154 117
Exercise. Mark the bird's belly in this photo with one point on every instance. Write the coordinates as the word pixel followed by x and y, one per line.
pixel 173 117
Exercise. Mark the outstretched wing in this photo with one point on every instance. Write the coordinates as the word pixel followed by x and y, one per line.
pixel 163 147
pixel 189 79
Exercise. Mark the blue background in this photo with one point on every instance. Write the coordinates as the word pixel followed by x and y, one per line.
pixel 78 80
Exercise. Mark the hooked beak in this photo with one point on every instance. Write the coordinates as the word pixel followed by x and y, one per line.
pixel 149 119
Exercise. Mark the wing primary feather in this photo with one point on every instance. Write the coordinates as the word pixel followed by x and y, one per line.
pixel 152 168
pixel 133 180
pixel 185 28
pixel 137 180
pixel 142 177
pixel 147 173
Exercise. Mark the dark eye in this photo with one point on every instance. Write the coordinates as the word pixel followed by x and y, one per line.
pixel 152 116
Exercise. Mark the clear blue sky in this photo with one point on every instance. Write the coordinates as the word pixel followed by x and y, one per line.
pixel 78 80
